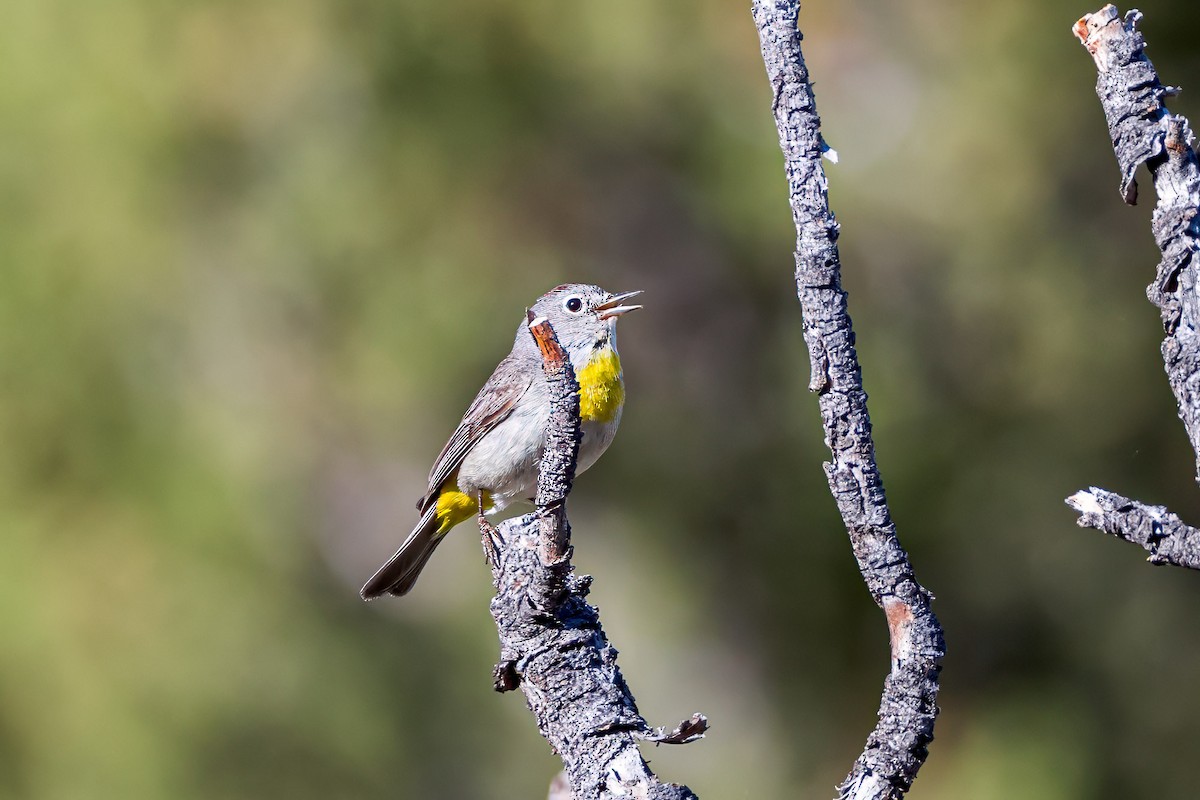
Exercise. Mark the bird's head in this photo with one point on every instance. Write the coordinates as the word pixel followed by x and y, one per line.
pixel 584 317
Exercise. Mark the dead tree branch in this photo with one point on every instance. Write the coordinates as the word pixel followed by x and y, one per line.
pixel 1161 533
pixel 1144 132
pixel 551 644
pixel 897 747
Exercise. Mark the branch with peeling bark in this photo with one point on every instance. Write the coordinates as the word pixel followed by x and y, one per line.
pixel 551 644
pixel 1144 132
pixel 896 748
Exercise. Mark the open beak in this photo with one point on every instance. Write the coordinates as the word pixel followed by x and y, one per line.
pixel 612 306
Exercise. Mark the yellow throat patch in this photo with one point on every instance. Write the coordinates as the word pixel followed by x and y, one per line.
pixel 601 392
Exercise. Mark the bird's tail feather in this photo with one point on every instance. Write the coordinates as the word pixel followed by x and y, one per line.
pixel 399 574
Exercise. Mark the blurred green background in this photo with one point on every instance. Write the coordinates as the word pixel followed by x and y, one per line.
pixel 259 255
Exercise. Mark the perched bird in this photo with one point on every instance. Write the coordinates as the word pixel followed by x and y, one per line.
pixel 492 457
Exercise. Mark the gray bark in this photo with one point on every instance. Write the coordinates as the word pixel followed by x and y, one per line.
pixel 1161 533
pixel 551 644
pixel 1144 132
pixel 897 747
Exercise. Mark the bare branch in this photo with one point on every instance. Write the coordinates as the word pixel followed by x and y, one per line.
pixel 691 729
pixel 1144 132
pixel 557 470
pixel 896 748
pixel 551 644
pixel 1164 535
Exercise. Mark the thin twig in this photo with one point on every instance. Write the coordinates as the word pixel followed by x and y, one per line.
pixel 896 748
pixel 1144 132
pixel 551 644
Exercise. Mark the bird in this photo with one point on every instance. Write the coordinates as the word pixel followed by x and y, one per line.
pixel 491 460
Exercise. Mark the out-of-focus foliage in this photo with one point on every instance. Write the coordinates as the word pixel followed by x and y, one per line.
pixel 258 255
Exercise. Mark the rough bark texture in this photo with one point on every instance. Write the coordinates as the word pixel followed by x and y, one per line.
pixel 896 748
pixel 1161 533
pixel 551 642
pixel 1144 132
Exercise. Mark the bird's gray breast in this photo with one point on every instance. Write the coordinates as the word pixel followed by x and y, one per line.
pixel 505 461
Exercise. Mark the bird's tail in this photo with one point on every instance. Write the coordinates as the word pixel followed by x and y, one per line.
pixel 399 574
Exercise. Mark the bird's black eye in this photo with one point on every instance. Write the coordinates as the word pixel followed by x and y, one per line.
pixel 573 304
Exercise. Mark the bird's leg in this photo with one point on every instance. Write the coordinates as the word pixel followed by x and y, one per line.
pixel 490 536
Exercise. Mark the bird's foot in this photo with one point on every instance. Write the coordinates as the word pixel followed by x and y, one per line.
pixel 490 537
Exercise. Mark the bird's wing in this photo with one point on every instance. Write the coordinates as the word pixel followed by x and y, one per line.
pixel 491 406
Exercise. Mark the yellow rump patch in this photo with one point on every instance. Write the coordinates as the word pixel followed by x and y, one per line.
pixel 454 507
pixel 601 392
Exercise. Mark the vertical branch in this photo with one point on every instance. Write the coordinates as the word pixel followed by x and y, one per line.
pixel 551 644
pixel 896 748
pixel 1144 132
pixel 557 471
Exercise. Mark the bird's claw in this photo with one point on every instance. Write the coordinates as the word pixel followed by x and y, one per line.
pixel 491 538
